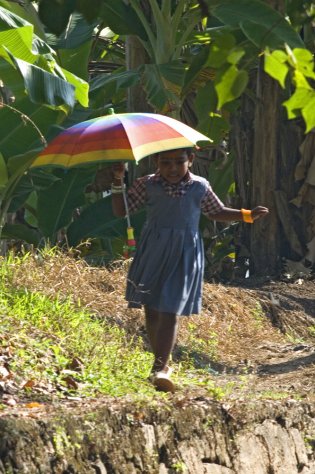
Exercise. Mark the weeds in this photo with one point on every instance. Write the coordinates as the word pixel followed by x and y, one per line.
pixel 56 347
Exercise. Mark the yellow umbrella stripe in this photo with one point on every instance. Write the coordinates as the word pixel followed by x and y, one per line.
pixel 113 155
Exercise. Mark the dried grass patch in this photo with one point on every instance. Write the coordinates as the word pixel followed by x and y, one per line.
pixel 232 313
pixel 98 289
pixel 235 315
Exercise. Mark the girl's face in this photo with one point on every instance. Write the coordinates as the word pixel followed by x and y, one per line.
pixel 173 164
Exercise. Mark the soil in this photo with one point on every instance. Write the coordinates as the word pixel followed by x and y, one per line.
pixel 285 366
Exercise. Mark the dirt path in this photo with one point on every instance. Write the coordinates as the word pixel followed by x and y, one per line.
pixel 278 363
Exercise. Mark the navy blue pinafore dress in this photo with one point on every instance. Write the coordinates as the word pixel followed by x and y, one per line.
pixel 166 273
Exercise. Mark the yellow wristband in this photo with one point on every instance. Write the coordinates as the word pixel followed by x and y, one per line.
pixel 247 216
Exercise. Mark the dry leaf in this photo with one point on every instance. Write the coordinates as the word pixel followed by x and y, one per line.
pixel 29 384
pixel 33 405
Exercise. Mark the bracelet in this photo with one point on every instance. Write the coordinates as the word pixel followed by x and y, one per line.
pixel 117 189
pixel 247 216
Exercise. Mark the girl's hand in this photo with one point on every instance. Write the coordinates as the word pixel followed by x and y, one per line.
pixel 118 170
pixel 259 212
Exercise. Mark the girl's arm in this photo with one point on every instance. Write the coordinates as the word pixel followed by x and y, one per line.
pixel 135 197
pixel 228 214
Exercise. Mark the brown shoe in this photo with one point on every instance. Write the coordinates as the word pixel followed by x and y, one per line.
pixel 162 381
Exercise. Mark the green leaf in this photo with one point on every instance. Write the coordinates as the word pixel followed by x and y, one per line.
pixel 104 86
pixel 220 49
pixel 22 162
pixel 298 101
pixel 29 181
pixel 197 65
pixel 256 14
pixel 97 220
pixel 221 176
pixel 10 20
pixel 10 77
pixel 304 62
pixel 19 193
pixel 275 65
pixel 28 12
pixel 300 80
pixel 19 42
pixel 159 94
pixel 309 115
pixel 3 172
pixel 215 126
pixel 76 60
pixel 18 135
pixel 116 12
pixel 55 14
pixel 235 55
pixel 206 102
pixel 174 72
pixel 30 213
pixel 78 32
pixel 122 79
pixel 229 84
pixel 21 232
pixel 90 10
pixel 57 203
pixel 81 87
pixel 261 35
pixel 43 87
pixel 17 174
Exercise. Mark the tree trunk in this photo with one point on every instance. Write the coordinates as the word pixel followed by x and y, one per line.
pixel 136 56
pixel 137 101
pixel 264 242
pixel 267 149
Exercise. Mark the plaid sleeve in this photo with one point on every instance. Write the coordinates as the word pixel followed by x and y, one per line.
pixel 210 203
pixel 137 194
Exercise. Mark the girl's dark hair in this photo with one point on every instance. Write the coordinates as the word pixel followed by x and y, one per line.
pixel 189 150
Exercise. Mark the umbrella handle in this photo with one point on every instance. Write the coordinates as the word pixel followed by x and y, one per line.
pixel 130 248
pixel 125 202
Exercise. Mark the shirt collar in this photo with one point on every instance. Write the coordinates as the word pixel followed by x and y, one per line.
pixel 187 179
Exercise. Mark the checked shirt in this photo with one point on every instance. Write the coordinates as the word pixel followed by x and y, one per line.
pixel 209 205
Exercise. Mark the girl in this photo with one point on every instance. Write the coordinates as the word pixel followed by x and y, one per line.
pixel 166 273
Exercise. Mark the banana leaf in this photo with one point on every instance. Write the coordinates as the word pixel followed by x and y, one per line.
pixel 258 20
pixel 57 203
pixel 21 232
pixel 97 220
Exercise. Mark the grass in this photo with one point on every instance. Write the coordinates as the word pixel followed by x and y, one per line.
pixel 55 347
pixel 52 343
pixel 65 331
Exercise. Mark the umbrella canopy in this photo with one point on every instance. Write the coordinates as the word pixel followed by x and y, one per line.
pixel 118 137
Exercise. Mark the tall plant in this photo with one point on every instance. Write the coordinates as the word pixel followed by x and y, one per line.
pixel 40 94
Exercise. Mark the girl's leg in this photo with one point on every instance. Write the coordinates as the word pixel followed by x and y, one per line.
pixel 165 340
pixel 162 332
pixel 151 323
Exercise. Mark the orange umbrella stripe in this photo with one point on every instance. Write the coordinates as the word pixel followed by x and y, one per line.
pixel 64 159
pixel 118 138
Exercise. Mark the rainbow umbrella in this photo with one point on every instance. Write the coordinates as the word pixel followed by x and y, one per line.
pixel 118 137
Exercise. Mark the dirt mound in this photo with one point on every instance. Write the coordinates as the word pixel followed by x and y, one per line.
pixel 258 337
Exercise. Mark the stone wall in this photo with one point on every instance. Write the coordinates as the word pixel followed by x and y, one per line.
pixel 197 436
